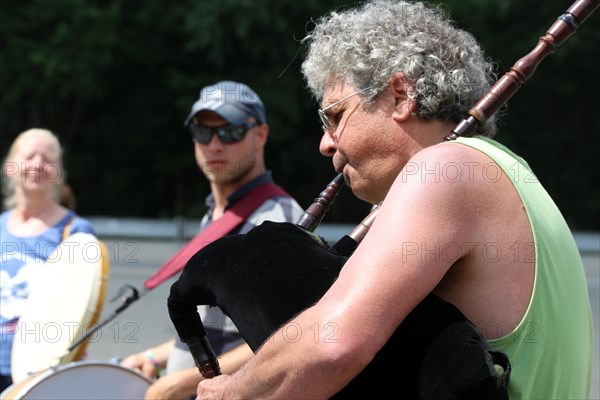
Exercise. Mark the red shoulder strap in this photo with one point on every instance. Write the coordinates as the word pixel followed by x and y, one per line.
pixel 221 227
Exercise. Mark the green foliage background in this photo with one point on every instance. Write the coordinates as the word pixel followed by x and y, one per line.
pixel 115 80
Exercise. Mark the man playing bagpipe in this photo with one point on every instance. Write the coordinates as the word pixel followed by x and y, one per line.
pixel 467 262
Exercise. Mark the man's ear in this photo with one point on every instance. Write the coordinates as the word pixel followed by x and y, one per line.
pixel 263 134
pixel 400 87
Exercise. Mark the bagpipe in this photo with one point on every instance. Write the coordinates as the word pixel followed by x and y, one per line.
pixel 265 277
pixel 262 279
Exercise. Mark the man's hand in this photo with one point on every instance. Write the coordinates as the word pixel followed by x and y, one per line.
pixel 213 388
pixel 150 361
pixel 174 386
pixel 142 363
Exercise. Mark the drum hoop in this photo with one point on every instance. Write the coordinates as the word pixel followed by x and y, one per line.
pixel 105 272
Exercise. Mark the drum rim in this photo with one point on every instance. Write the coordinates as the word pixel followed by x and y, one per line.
pixel 34 379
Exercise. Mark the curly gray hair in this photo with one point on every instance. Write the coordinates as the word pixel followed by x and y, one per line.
pixel 367 45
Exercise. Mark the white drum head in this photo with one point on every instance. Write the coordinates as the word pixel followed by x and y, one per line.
pixel 65 301
pixel 81 380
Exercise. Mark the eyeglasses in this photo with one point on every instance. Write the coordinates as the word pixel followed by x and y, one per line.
pixel 227 134
pixel 327 125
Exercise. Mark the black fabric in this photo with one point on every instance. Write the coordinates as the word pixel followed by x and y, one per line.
pixel 221 341
pixel 478 370
pixel 265 277
pixel 260 279
pixel 345 246
pixel 5 381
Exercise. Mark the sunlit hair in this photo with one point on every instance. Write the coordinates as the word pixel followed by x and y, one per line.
pixel 8 184
pixel 366 46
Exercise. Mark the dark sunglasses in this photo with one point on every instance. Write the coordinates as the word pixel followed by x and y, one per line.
pixel 226 133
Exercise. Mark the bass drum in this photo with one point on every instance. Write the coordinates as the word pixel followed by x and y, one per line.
pixel 81 380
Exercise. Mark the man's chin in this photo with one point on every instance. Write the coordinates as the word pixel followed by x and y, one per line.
pixel 364 192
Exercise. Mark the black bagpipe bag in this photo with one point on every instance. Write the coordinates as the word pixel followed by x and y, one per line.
pixel 265 277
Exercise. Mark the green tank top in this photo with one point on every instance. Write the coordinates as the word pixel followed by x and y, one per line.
pixel 551 348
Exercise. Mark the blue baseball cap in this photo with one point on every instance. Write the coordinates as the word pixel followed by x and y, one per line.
pixel 233 101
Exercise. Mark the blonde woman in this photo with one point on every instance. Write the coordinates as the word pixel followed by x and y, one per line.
pixel 32 225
